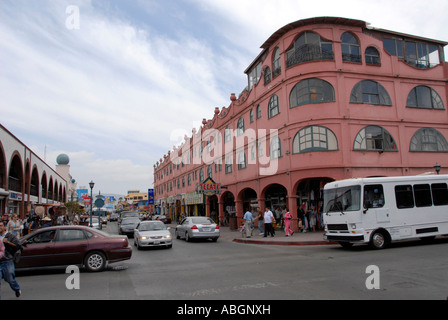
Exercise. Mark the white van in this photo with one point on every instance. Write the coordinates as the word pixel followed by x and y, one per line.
pixel 380 210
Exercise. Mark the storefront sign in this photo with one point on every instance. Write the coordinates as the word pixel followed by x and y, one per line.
pixel 209 187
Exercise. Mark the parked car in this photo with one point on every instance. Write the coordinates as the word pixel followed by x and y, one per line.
pixel 128 225
pixel 95 223
pixel 152 234
pixel 73 245
pixel 164 219
pixel 197 228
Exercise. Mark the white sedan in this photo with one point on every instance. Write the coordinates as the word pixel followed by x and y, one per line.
pixel 152 234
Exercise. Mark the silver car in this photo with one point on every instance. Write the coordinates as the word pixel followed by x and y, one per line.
pixel 152 234
pixel 197 228
pixel 128 225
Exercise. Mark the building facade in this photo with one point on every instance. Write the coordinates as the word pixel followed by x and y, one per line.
pixel 25 179
pixel 327 99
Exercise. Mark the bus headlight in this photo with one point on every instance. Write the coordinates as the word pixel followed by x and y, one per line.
pixel 353 225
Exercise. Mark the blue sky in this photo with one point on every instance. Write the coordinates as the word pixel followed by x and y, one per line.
pixel 111 93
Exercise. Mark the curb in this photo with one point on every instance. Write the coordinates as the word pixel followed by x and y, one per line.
pixel 285 243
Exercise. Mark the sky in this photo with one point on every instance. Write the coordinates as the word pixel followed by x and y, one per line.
pixel 111 83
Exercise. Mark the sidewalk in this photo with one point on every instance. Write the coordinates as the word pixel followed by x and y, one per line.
pixel 297 239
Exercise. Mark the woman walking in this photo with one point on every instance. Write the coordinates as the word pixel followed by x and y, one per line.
pixel 287 218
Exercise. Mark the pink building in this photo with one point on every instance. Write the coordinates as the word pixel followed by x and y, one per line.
pixel 327 99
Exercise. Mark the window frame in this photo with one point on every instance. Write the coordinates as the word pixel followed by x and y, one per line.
pixel 306 85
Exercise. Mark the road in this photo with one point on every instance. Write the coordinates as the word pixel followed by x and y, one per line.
pixel 227 270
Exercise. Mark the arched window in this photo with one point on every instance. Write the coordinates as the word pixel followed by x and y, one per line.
pixel 276 148
pixel 351 51
pixel 374 138
pixel 428 140
pixel 309 46
pixel 370 92
pixel 258 112
pixel 267 75
pixel 314 138
pixel 372 56
pixel 241 160
pixel 311 91
pixel 273 107
pixel 424 97
pixel 276 63
pixel 240 127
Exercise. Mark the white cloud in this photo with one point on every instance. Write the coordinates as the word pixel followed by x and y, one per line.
pixel 111 93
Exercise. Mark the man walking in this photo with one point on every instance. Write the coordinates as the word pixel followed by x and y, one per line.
pixel 268 217
pixel 248 221
pixel 7 268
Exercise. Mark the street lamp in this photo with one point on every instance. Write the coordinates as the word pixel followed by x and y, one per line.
pixel 91 184
pixel 437 168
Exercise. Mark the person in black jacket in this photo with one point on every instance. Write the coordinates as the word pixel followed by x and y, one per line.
pixel 7 268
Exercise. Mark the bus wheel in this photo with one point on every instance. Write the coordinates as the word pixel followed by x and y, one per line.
pixel 379 240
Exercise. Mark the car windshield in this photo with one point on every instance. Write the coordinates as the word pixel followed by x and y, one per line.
pixel 342 199
pixel 202 220
pixel 152 226
pixel 130 221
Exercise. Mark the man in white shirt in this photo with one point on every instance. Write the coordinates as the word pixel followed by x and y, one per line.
pixel 248 220
pixel 268 217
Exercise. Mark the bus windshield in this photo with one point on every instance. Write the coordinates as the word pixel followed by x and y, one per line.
pixel 342 199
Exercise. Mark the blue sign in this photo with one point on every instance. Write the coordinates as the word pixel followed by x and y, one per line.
pixel 150 197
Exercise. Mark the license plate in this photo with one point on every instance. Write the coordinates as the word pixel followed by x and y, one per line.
pixel 206 229
pixel 156 242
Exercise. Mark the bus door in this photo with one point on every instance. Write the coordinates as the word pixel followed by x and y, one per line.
pixel 374 204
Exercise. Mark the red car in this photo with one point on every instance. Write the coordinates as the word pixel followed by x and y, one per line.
pixel 73 245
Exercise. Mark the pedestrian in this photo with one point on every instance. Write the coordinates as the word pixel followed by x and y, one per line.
pixel 300 218
pixel 313 217
pixel 268 219
pixel 260 221
pixel 287 217
pixel 248 221
pixel 7 269
pixel 14 226
pixel 47 222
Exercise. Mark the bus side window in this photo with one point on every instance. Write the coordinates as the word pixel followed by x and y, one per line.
pixel 439 194
pixel 373 196
pixel 422 195
pixel 404 197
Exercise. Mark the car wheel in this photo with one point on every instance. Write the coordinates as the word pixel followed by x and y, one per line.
pixel 95 261
pixel 177 235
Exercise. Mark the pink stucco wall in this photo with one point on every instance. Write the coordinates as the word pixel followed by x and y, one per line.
pixel 343 118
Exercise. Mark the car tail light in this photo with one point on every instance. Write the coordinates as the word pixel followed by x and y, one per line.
pixel 126 243
pixel 217 226
pixel 195 227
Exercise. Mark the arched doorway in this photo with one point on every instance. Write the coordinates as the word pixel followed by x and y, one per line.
pixel 249 199
pixel 15 185
pixel 3 181
pixel 310 199
pixel 275 196
pixel 229 207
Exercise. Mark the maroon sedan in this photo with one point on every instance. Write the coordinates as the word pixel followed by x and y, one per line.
pixel 73 245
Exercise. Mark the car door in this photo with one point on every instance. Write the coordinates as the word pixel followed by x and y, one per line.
pixel 182 227
pixel 70 246
pixel 38 250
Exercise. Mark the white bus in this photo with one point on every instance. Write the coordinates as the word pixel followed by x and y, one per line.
pixel 380 210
